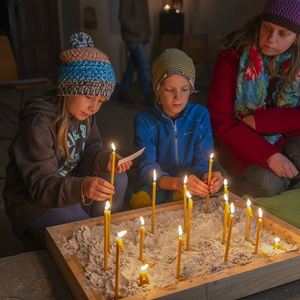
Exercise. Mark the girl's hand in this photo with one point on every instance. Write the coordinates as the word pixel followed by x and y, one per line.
pixel 282 166
pixel 196 186
pixel 122 167
pixel 250 121
pixel 97 188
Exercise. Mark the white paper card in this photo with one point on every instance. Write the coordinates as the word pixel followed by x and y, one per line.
pixel 131 157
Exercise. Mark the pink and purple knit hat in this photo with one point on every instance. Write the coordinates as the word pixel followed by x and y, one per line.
pixel 284 13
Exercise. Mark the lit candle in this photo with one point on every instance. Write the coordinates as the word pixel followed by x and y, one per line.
pixel 144 279
pixel 106 233
pixel 153 201
pixel 208 181
pixel 229 231
pixel 276 244
pixel 225 218
pixel 180 243
pixel 112 169
pixel 249 214
pixel 189 220
pixel 259 228
pixel 120 248
pixel 167 7
pixel 184 202
pixel 225 187
pixel 143 230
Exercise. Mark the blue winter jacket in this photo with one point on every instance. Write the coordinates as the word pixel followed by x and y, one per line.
pixel 173 148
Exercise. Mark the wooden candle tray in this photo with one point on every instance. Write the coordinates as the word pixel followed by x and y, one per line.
pixel 230 283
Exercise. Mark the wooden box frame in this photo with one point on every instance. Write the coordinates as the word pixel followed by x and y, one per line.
pixel 230 283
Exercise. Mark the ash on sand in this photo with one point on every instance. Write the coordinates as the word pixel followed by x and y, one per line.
pixel 161 249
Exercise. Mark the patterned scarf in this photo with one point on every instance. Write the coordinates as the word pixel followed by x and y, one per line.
pixel 252 83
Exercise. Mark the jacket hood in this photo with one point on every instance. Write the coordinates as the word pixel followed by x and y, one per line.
pixel 36 106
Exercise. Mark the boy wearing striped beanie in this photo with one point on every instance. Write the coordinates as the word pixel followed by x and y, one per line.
pixel 176 135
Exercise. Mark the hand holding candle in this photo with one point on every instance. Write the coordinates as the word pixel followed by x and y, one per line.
pixel 229 232
pixel 259 228
pixel 180 243
pixel 144 279
pixel 106 233
pixel 153 201
pixel 189 220
pixel 225 218
pixel 143 230
pixel 112 170
pixel 119 248
pixel 208 181
pixel 184 201
pixel 249 214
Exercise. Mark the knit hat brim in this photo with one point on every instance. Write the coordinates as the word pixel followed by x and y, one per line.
pixel 281 21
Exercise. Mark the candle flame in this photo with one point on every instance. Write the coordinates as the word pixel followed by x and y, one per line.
pixel 143 268
pixel 188 195
pixel 120 234
pixel 225 182
pixel 107 205
pixel 225 197
pixel 232 208
pixel 177 11
pixel 248 203
pixel 180 230
pixel 167 7
pixel 142 221
pixel 277 240
pixel 211 156
pixel 260 212
pixel 113 147
pixel 185 179
pixel 154 175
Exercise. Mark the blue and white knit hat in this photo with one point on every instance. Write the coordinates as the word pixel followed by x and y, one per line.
pixel 85 70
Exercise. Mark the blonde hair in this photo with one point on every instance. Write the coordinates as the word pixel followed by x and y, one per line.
pixel 249 34
pixel 61 121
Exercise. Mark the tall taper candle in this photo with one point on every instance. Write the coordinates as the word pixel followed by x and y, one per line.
pixel 184 202
pixel 249 214
pixel 180 243
pixel 143 230
pixel 229 232
pixel 208 181
pixel 106 228
pixel 153 201
pixel 225 218
pixel 119 248
pixel 189 221
pixel 112 170
pixel 259 228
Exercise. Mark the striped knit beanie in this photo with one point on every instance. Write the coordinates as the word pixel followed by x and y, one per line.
pixel 284 13
pixel 172 61
pixel 85 70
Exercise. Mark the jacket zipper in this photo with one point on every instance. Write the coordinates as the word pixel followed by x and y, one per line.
pixel 176 143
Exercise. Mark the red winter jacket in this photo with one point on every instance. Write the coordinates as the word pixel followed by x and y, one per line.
pixel 236 144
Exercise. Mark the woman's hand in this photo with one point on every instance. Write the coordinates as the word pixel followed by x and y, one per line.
pixel 282 166
pixel 97 188
pixel 216 181
pixel 250 121
pixel 122 167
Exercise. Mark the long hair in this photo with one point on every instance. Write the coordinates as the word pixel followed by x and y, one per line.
pixel 61 121
pixel 249 34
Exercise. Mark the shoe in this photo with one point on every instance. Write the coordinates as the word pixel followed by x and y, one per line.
pixel 150 100
pixel 124 98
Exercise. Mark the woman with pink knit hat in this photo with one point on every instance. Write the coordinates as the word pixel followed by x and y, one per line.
pixel 254 102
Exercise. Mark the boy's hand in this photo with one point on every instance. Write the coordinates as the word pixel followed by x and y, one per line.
pixel 216 181
pixel 196 186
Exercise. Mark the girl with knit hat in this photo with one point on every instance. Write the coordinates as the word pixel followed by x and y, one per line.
pixel 176 135
pixel 254 102
pixel 57 160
